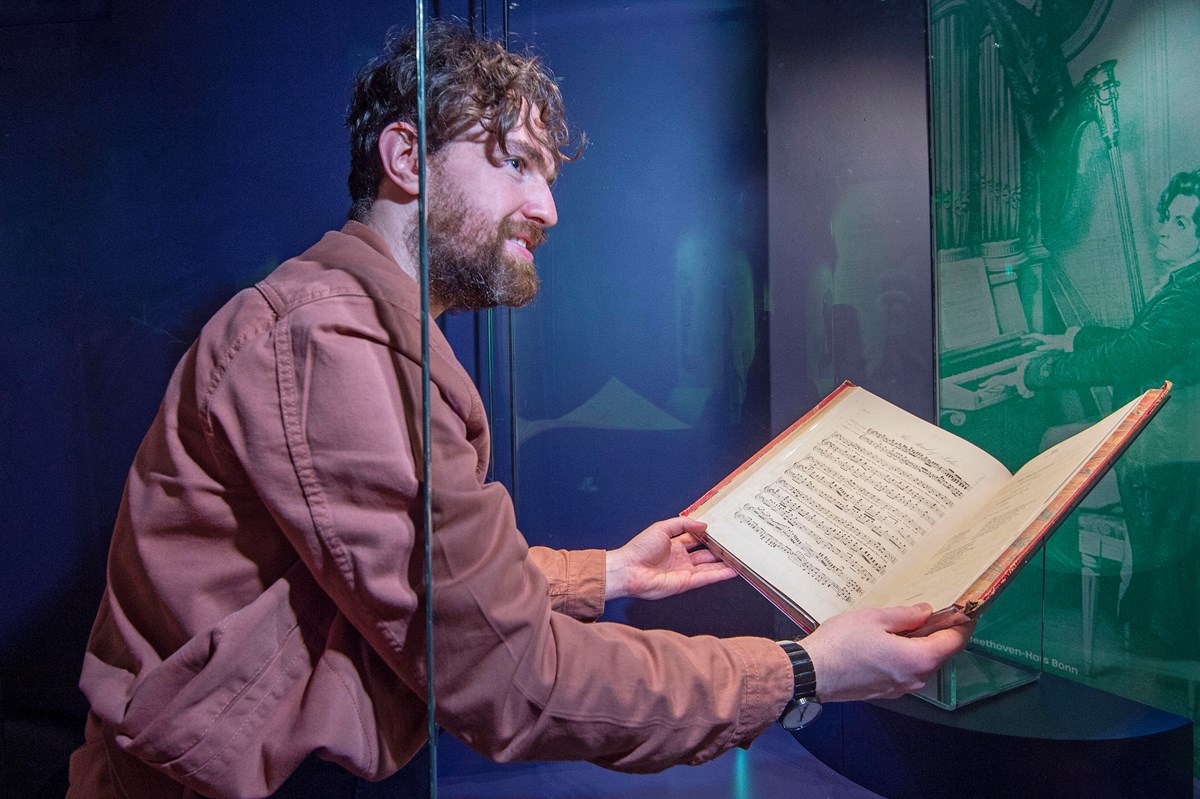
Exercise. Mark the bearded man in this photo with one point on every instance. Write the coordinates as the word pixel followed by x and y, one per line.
pixel 262 628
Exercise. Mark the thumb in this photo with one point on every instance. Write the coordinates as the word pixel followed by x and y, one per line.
pixel 677 525
pixel 903 618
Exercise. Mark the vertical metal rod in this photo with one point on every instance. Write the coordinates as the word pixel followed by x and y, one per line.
pixel 426 427
pixel 489 316
pixel 512 341
pixel 489 321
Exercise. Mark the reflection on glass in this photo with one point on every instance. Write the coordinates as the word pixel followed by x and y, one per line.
pixel 1069 278
pixel 639 374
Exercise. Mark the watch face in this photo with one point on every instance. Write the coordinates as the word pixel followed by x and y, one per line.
pixel 799 713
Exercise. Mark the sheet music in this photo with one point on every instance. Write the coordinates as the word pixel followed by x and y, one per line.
pixel 954 564
pixel 830 513
pixel 966 312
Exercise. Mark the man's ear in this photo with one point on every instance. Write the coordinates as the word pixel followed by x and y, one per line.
pixel 398 154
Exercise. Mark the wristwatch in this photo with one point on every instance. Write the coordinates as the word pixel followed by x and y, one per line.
pixel 804 707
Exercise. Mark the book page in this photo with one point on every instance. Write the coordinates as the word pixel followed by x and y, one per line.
pixel 837 504
pixel 955 564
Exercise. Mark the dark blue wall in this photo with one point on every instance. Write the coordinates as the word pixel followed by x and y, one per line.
pixel 156 157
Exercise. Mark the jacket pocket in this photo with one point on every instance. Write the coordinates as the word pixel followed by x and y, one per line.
pixel 215 691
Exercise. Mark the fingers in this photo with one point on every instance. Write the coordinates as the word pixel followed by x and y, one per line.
pixel 686 525
pixel 709 573
pixel 683 530
pixel 691 543
pixel 861 654
pixel 952 639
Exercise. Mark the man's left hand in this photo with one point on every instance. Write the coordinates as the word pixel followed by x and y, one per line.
pixel 663 560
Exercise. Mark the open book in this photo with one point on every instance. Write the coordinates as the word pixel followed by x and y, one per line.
pixel 862 504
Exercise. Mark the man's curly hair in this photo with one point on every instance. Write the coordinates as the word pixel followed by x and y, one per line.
pixel 468 80
pixel 1185 183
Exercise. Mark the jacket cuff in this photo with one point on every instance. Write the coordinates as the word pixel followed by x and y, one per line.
pixel 767 688
pixel 1069 340
pixel 1036 373
pixel 576 580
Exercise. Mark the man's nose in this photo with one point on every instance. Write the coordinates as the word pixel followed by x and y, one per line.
pixel 540 207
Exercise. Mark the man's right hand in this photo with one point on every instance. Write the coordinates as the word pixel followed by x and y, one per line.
pixel 862 654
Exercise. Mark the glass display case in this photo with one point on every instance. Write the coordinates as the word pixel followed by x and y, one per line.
pixel 984 211
pixel 886 193
pixel 1063 160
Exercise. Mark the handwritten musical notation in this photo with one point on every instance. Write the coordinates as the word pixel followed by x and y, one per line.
pixel 847 510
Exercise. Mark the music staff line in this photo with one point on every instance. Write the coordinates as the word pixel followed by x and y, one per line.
pixel 838 490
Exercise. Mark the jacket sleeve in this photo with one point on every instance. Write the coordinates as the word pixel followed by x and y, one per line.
pixel 334 451
pixel 1146 350
pixel 576 579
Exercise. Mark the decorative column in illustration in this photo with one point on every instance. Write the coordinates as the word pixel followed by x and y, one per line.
pixel 1000 189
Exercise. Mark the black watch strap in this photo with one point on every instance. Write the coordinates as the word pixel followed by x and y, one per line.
pixel 804 707
pixel 804 676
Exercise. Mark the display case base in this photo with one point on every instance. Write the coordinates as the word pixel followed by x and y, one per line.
pixel 1052 738
pixel 972 676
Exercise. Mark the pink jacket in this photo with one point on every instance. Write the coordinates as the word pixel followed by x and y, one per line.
pixel 265 584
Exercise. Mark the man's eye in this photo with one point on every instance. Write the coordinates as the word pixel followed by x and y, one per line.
pixel 516 163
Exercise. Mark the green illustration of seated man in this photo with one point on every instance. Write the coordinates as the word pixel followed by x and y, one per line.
pixel 1159 477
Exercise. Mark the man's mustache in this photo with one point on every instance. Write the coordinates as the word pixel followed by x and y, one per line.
pixel 532 232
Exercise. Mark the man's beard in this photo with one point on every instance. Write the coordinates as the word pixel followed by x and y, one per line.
pixel 469 266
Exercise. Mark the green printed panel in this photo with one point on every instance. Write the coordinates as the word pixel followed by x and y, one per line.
pixel 1066 204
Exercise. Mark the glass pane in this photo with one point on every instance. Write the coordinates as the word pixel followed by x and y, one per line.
pixel 1065 223
pixel 640 372
pixel 747 228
